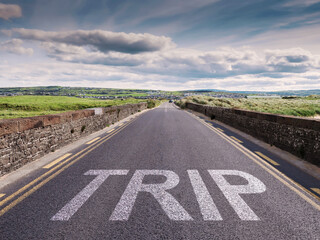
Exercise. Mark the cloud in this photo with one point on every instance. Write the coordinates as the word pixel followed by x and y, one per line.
pixel 8 11
pixel 14 46
pixel 189 63
pixel 299 3
pixel 103 41
pixel 107 59
pixel 131 13
pixel 69 53
pixel 77 74
pixel 294 60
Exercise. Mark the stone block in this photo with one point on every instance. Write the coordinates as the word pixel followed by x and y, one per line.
pixel 27 139
pixel 51 120
pixel 292 134
pixel 8 127
pixel 29 123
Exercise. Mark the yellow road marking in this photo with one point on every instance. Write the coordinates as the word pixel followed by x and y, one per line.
pixel 2 194
pixel 270 169
pixel 46 173
pixel 221 130
pixel 25 195
pixel 93 140
pixel 274 169
pixel 267 158
pixel 110 130
pixel 120 124
pixel 51 170
pixel 239 141
pixel 57 160
pixel 317 190
pixel 257 160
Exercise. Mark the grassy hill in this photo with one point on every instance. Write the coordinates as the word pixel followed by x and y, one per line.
pixel 27 106
pixel 302 107
pixel 73 91
pixel 280 93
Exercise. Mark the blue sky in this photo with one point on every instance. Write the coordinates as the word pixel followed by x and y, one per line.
pixel 172 45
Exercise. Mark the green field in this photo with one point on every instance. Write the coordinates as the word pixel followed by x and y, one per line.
pixel 73 91
pixel 302 106
pixel 121 95
pixel 27 106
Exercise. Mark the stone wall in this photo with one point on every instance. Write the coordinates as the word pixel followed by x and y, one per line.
pixel 299 136
pixel 23 140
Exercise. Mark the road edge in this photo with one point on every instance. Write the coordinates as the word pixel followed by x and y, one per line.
pixel 301 164
pixel 30 167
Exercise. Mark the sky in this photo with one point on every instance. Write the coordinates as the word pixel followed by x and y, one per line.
pixel 264 45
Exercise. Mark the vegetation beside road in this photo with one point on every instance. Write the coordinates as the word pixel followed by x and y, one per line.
pixel 299 106
pixel 28 106
pixel 73 91
pixel 85 92
pixel 154 102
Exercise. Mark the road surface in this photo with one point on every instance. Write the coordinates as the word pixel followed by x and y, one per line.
pixel 165 174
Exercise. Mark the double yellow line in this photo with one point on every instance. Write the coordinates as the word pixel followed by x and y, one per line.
pixel 75 158
pixel 269 168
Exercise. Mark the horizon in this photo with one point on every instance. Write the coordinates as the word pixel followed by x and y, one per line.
pixel 264 46
pixel 184 90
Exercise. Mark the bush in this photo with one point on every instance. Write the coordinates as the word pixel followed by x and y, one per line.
pixel 181 103
pixel 151 103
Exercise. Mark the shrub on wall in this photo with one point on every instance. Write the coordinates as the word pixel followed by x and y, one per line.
pixel 151 103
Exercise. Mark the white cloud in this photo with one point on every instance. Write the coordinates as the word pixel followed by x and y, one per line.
pixel 300 3
pixel 103 41
pixel 88 58
pixel 186 64
pixel 291 60
pixel 306 37
pixel 8 11
pixel 157 9
pixel 74 74
pixel 14 46
pixel 77 74
pixel 176 62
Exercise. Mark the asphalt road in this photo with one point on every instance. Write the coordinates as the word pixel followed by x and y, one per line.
pixel 163 175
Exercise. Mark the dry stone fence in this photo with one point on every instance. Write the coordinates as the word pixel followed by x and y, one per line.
pixel 26 139
pixel 299 136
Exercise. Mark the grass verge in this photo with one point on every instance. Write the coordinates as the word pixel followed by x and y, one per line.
pixel 301 106
pixel 28 106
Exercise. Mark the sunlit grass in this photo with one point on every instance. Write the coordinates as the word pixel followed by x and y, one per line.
pixel 303 107
pixel 28 106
